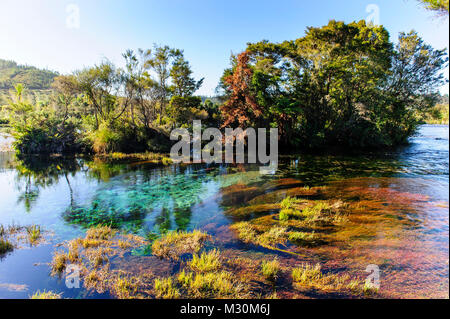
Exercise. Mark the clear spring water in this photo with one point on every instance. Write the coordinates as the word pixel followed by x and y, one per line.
pixel 64 196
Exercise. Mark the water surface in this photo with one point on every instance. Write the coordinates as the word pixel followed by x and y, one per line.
pixel 401 226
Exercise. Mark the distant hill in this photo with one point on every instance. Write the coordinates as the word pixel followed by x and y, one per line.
pixel 33 78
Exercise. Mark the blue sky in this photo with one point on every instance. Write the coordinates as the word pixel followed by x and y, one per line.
pixel 36 32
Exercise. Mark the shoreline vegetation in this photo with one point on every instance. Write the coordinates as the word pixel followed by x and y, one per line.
pixel 316 101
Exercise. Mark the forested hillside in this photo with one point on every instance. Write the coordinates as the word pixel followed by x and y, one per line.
pixel 31 77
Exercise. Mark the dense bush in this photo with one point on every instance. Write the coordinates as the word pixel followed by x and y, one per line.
pixel 50 137
pixel 127 139
pixel 340 85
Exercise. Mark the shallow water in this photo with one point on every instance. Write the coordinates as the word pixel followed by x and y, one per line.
pixel 399 221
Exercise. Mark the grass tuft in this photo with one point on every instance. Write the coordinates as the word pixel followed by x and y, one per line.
pixel 165 288
pixel 305 274
pixel 270 269
pixel 59 262
pixel 206 262
pixel 5 246
pixel 34 233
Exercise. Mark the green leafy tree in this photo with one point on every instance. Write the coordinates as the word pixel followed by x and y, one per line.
pixel 438 6
pixel 183 82
pixel 340 84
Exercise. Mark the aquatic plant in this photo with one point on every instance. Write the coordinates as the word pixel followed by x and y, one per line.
pixel 214 285
pixel 46 295
pixel 206 262
pixel 174 244
pixel 303 238
pixel 252 211
pixel 165 288
pixel 34 233
pixel 273 237
pixel 125 287
pixel 5 246
pixel 369 289
pixel 147 157
pixel 305 274
pixel 309 276
pixel 100 232
pixel 185 278
pixel 95 249
pixel 59 262
pixel 270 269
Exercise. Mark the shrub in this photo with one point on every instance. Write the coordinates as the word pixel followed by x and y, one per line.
pixel 49 135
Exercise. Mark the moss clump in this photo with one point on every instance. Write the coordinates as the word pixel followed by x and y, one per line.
pixel 46 295
pixel 206 262
pixel 270 269
pixel 174 244
pixel 214 285
pixel 315 212
pixel 204 277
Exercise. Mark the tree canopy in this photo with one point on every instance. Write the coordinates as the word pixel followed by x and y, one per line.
pixel 340 84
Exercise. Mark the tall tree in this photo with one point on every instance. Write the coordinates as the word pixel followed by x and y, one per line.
pixel 183 83
pixel 161 64
pixel 241 106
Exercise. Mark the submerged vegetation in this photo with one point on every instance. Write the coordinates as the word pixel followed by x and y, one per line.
pixel 174 244
pixel 208 274
pixel 270 269
pixel 294 215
